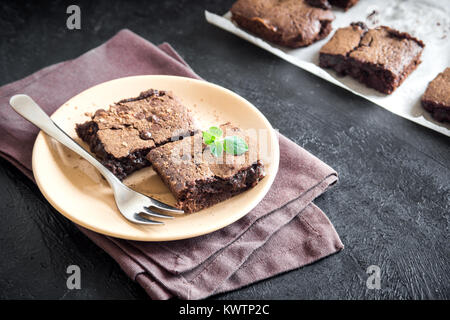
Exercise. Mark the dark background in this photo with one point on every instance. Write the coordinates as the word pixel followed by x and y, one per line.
pixel 391 206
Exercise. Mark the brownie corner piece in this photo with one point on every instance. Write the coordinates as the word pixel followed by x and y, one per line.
pixel 381 58
pixel 436 99
pixel 335 53
pixel 287 23
pixel 198 179
pixel 122 136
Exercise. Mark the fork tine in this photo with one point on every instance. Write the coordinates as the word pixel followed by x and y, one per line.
pixel 139 219
pixel 156 214
pixel 160 205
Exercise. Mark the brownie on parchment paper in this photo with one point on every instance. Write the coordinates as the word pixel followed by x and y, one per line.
pixel 436 98
pixel 290 23
pixel 381 58
pixel 122 136
pixel 197 178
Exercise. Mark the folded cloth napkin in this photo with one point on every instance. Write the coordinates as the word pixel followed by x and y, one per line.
pixel 285 231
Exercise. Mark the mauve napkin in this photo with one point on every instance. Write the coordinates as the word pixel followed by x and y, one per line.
pixel 285 231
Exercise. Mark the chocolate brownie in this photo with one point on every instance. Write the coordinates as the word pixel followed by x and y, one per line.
pixel 381 58
pixel 197 178
pixel 290 23
pixel 436 98
pixel 122 136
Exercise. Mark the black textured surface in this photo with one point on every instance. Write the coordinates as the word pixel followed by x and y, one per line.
pixel 391 206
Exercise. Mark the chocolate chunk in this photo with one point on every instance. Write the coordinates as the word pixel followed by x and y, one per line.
pixel 146 135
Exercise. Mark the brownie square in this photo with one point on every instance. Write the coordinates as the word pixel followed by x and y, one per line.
pixel 436 98
pixel 381 58
pixel 122 136
pixel 197 178
pixel 290 23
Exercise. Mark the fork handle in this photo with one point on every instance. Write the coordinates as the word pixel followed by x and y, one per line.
pixel 31 111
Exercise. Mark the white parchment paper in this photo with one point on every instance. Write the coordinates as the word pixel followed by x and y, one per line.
pixel 428 20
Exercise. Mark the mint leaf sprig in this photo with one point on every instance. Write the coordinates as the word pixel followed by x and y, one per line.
pixel 231 144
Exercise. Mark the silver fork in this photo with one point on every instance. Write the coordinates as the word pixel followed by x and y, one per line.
pixel 133 205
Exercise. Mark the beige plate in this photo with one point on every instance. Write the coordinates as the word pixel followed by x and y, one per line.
pixel 78 191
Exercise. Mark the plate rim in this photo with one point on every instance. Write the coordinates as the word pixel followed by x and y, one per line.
pixel 41 138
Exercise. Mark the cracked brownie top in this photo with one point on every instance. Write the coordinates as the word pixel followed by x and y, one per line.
pixel 381 46
pixel 152 118
pixel 438 90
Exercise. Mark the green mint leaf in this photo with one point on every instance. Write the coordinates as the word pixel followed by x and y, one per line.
pixel 208 138
pixel 215 131
pixel 213 134
pixel 216 148
pixel 235 145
